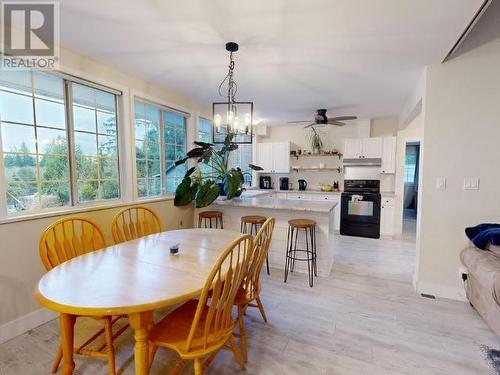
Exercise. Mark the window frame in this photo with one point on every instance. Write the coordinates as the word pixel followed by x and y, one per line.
pixel 162 107
pixel 73 205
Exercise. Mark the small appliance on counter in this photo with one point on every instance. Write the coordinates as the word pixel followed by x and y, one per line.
pixel 284 183
pixel 302 184
pixel 265 182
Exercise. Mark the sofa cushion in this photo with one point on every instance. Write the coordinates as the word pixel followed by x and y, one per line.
pixel 484 265
pixel 494 249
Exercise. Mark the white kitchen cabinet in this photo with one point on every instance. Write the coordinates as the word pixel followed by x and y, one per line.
pixel 299 196
pixel 331 198
pixel 387 217
pixel 372 148
pixel 363 148
pixel 353 148
pixel 274 157
pixel 388 155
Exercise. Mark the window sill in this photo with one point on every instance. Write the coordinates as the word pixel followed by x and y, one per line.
pixel 82 209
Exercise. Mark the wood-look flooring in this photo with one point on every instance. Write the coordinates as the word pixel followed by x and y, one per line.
pixel 364 319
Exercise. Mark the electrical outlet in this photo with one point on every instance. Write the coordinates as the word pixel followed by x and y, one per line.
pixel 441 183
pixel 471 183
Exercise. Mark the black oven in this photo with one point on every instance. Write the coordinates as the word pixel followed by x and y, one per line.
pixel 360 208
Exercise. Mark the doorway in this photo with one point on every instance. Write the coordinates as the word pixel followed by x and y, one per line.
pixel 410 198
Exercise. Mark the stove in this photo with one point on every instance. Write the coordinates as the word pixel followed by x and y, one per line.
pixel 360 208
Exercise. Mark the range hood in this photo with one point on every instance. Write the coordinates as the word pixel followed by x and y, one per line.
pixel 363 162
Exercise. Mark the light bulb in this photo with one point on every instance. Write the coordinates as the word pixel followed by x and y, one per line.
pixel 248 119
pixel 230 116
pixel 217 121
pixel 236 123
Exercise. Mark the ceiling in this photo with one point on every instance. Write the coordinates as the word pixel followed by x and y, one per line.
pixel 360 57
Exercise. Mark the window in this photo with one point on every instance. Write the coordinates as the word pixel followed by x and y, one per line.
pixel 35 136
pixel 205 135
pixel 411 163
pixel 95 138
pixel 156 156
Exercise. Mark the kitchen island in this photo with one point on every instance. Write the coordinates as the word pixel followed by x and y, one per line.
pixel 258 203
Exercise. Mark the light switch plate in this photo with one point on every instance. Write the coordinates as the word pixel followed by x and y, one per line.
pixel 471 183
pixel 441 183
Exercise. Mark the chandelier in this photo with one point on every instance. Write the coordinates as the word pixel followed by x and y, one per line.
pixel 231 116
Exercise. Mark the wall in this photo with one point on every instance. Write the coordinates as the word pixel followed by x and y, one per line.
pixel 20 267
pixel 412 132
pixel 384 127
pixel 461 115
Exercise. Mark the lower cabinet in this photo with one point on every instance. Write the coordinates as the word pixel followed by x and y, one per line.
pixel 387 217
pixel 333 198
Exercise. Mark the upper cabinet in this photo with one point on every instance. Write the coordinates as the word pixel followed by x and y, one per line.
pixel 363 148
pixel 388 155
pixel 274 157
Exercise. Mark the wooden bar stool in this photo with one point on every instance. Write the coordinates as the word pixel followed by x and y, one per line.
pixel 207 216
pixel 305 255
pixel 254 222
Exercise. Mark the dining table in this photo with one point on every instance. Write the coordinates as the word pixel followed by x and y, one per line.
pixel 132 278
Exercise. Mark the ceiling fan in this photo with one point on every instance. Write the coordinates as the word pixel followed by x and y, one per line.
pixel 321 119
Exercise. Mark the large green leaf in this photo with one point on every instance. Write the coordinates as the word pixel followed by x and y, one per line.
pixel 185 192
pixel 207 193
pixel 233 183
pixel 255 167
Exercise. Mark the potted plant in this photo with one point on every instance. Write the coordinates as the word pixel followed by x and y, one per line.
pixel 316 141
pixel 204 190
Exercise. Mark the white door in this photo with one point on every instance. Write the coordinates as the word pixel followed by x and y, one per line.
pixel 265 156
pixel 387 220
pixel 372 148
pixel 389 155
pixel 281 157
pixel 353 148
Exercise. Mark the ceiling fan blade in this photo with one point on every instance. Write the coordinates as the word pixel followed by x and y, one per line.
pixel 308 126
pixel 342 118
pixel 296 122
pixel 337 123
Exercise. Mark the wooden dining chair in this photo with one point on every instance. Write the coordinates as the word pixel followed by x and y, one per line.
pixel 249 293
pixel 134 222
pixel 198 329
pixel 66 239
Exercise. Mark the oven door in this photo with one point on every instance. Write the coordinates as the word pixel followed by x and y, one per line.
pixel 360 214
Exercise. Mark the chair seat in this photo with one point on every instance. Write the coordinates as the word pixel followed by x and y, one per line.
pixel 210 214
pixel 302 223
pixel 173 331
pixel 253 219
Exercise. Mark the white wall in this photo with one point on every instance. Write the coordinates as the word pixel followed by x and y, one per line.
pixel 384 126
pixel 20 267
pixel 412 132
pixel 461 129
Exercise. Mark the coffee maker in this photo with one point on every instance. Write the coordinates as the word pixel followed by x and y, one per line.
pixel 284 183
pixel 265 182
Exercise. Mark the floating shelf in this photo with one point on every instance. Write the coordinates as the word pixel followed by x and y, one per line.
pixel 338 154
pixel 336 169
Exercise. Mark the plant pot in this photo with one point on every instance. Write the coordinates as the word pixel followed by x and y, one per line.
pixel 222 191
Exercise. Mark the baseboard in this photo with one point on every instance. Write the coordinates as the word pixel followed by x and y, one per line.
pixel 24 323
pixel 440 291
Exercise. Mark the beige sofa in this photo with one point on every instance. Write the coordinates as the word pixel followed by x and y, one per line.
pixel 483 282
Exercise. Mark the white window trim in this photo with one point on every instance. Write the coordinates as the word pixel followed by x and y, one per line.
pixel 165 106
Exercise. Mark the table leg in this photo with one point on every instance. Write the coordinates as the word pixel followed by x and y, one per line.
pixel 141 322
pixel 67 326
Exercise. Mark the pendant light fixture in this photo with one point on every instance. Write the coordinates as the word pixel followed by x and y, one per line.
pixel 231 116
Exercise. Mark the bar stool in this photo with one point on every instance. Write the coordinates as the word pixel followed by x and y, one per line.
pixel 308 254
pixel 208 216
pixel 255 222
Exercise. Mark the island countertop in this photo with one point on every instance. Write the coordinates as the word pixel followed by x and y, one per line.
pixel 278 204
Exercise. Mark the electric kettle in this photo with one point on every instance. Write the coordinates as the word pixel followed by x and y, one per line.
pixel 302 184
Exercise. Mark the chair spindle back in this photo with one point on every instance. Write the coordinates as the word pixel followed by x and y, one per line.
pixel 223 283
pixel 68 238
pixel 134 222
